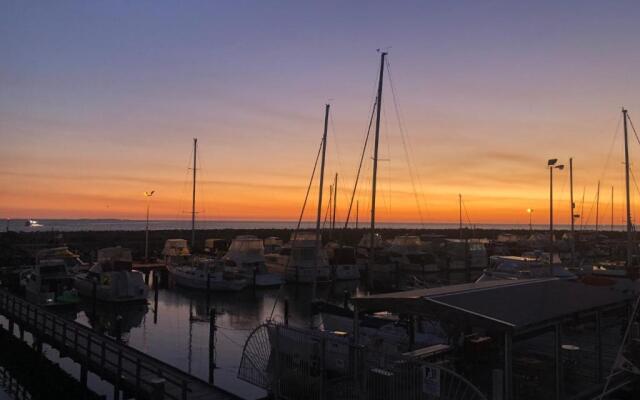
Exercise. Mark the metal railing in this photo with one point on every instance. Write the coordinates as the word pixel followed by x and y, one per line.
pixel 111 359
pixel 296 363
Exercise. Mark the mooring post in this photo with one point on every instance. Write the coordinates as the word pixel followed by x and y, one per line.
pixel 208 288
pixel 157 388
pixel 155 296
pixel 212 343
pixel 255 273
pixel 83 380
pixel 286 312
pixel 397 275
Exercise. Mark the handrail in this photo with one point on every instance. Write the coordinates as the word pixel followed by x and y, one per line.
pixel 106 351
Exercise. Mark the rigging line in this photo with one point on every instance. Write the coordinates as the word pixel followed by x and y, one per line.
pixel 386 199
pixel 404 141
pixel 464 207
pixel 405 134
pixel 588 217
pixel 231 339
pixel 613 142
pixel 327 211
pixel 295 233
pixel 633 127
pixel 364 150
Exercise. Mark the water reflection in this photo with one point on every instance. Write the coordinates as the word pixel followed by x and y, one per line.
pixel 115 320
pixel 178 333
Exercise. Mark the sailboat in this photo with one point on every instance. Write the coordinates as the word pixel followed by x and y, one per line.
pixel 189 271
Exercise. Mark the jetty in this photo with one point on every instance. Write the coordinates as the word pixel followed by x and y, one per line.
pixel 129 370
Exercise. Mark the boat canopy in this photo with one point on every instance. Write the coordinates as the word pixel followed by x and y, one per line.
pixel 175 247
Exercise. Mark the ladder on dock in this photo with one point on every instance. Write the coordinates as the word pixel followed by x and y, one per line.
pixel 125 367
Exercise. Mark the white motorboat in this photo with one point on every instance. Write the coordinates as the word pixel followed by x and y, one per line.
pixel 407 251
pixel 467 253
pixel 272 245
pixel 300 260
pixel 246 255
pixel 382 262
pixel 513 267
pixel 71 260
pixel 343 262
pixel 49 283
pixel 191 272
pixel 112 278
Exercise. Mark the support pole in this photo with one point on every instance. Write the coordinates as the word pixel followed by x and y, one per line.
pixel 193 197
pixel 212 344
pixel 508 366
pixel 155 296
pixel 318 242
pixel 372 245
pixel 557 343
pixel 626 175
pixel 597 206
pixel 573 216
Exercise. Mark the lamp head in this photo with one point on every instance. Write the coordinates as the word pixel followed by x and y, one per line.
pixel 552 161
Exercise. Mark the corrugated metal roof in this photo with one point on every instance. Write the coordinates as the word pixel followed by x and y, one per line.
pixel 516 304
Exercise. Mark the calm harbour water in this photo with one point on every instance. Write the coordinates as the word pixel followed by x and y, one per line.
pixel 183 341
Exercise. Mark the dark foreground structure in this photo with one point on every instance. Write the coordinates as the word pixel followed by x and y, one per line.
pixel 510 339
pixel 531 339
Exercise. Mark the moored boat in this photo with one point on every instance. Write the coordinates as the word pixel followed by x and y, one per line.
pixel 112 278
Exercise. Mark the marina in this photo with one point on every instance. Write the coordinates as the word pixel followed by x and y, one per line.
pixel 300 201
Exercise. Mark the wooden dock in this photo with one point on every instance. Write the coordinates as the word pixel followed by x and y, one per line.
pixel 128 369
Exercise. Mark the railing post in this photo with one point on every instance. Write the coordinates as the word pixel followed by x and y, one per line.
pixel 137 375
pixel 184 389
pixel 119 377
pixel 102 353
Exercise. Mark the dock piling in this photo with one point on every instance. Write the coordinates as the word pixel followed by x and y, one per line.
pixel 212 344
pixel 286 312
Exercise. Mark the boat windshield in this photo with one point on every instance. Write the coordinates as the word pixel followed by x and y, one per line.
pixel 418 258
pixel 247 246
pixel 345 255
pixel 59 269
pixel 303 253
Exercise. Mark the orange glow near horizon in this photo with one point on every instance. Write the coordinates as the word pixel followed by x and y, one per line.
pixel 100 103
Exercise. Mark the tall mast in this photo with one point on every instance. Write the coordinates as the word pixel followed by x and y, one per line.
pixel 335 201
pixel 372 245
pixel 357 212
pixel 573 206
pixel 319 215
pixel 611 208
pixel 626 177
pixel 193 196
pixel 597 205
pixel 573 217
pixel 460 213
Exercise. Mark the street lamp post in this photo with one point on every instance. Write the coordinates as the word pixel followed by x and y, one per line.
pixel 552 164
pixel 530 211
pixel 146 231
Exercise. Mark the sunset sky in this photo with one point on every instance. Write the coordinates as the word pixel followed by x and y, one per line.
pixel 100 101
